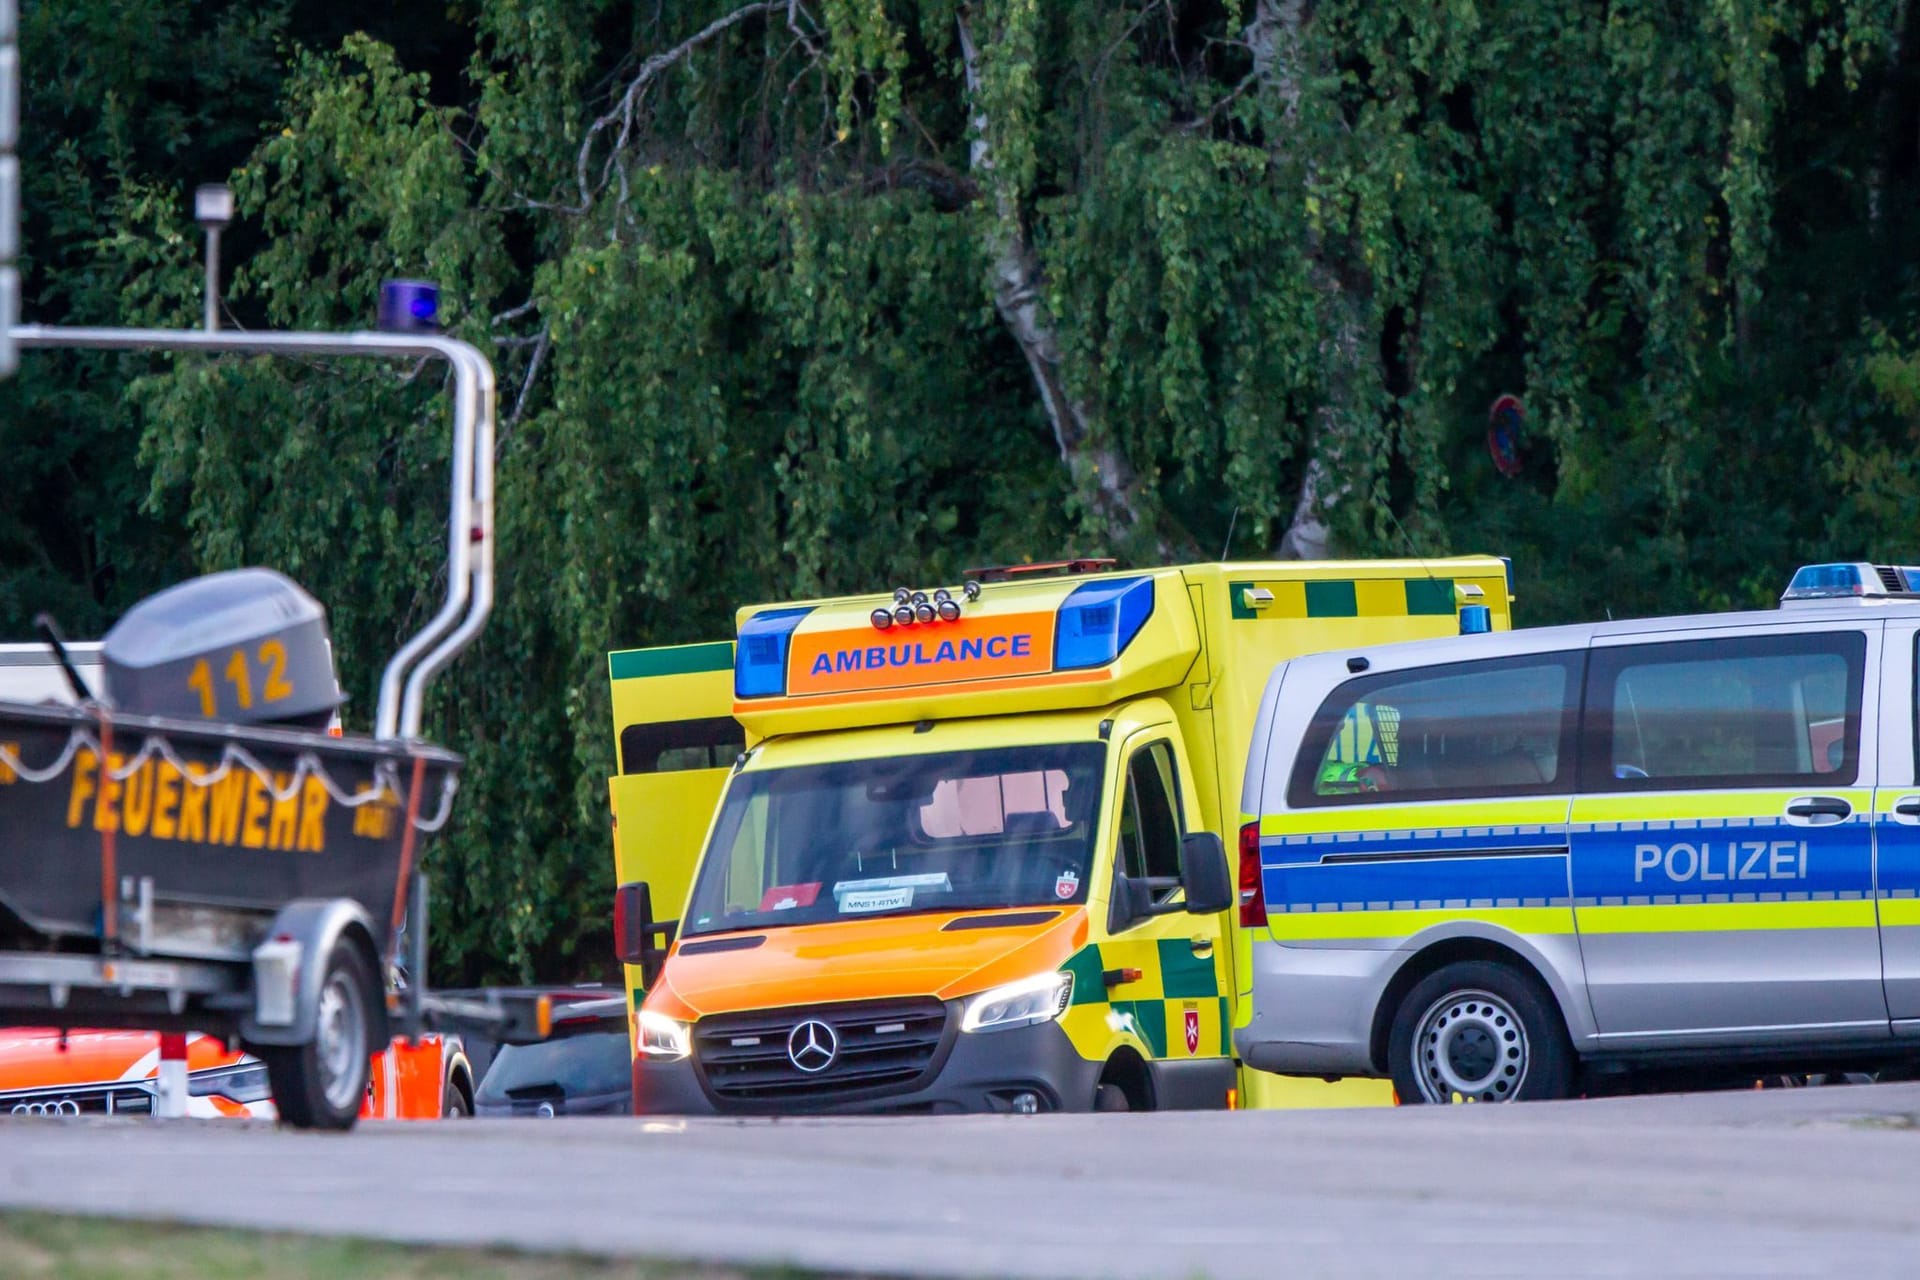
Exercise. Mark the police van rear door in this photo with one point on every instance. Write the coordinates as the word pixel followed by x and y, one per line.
pixel 1722 840
pixel 1897 824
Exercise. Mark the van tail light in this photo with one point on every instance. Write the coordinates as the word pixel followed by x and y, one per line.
pixel 1253 897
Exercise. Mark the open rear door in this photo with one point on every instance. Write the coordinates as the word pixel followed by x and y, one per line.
pixel 675 738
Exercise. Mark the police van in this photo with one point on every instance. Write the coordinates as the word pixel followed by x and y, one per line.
pixel 1508 866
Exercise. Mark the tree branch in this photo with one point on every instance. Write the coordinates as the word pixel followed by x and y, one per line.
pixel 623 110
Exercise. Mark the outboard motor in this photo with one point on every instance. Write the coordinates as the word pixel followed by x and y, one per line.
pixel 248 646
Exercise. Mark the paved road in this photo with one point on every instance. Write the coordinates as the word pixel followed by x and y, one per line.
pixel 1812 1182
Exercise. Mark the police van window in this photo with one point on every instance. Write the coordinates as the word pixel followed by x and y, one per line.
pixel 1149 821
pixel 1748 712
pixel 1500 727
pixel 674 745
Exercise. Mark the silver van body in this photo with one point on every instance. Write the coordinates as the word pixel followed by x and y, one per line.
pixel 1698 836
pixel 30 673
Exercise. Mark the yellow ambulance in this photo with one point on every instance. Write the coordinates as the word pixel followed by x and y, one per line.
pixel 961 849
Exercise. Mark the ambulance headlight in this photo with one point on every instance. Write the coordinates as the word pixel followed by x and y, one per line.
pixel 662 1037
pixel 1019 1004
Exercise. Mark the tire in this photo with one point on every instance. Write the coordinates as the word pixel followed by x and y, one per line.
pixel 323 1083
pixel 1478 1031
pixel 454 1105
pixel 1110 1097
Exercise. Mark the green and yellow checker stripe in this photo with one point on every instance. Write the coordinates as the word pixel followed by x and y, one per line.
pixel 1347 598
pixel 1152 1010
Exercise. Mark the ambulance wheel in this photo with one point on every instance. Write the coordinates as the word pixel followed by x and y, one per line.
pixel 1478 1031
pixel 454 1106
pixel 322 1084
pixel 1110 1097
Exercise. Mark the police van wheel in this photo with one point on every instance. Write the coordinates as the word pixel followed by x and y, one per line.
pixel 1478 1031
pixel 321 1084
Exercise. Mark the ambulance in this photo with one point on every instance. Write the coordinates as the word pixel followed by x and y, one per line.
pixel 962 849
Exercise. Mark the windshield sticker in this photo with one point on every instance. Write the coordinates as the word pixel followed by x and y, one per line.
pixel 1067 885
pixel 926 880
pixel 886 893
pixel 785 897
pixel 875 900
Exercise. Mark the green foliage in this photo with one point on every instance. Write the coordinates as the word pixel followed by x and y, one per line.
pixel 735 261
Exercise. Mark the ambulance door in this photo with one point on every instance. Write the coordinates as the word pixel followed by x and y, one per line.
pixel 675 741
pixel 1167 973
pixel 1896 822
pixel 1722 842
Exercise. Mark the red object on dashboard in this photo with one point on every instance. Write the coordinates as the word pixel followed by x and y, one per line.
pixel 784 897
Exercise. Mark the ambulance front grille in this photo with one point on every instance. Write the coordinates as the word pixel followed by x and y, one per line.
pixel 881 1046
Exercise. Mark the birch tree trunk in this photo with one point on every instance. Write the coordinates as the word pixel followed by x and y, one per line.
pixel 1097 468
pixel 1277 38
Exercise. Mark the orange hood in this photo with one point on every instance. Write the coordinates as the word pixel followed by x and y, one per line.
pixel 31 1058
pixel 913 955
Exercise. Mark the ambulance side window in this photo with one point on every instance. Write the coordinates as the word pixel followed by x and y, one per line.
pixel 1150 819
pixel 670 746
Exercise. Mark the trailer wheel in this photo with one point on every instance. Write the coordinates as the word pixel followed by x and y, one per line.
pixel 322 1084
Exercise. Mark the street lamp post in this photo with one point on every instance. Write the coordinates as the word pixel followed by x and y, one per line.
pixel 213 210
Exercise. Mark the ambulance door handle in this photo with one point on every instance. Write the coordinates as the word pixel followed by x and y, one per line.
pixel 1814 808
pixel 1201 946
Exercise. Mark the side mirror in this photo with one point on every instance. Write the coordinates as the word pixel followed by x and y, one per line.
pixel 1203 874
pixel 634 928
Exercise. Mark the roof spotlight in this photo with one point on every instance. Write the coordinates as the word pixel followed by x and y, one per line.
pixel 904 615
pixel 923 612
pixel 941 593
pixel 972 589
pixel 882 619
pixel 902 596
pixel 949 609
pixel 920 597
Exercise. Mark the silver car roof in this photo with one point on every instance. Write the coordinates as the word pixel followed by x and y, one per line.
pixel 1416 653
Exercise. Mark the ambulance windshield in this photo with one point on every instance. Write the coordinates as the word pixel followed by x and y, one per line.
pixel 958 831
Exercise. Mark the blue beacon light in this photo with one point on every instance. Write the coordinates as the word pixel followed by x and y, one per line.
pixel 409 306
pixel 1098 620
pixel 760 659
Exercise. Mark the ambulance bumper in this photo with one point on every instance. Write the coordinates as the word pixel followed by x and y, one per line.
pixel 992 1071
pixel 1313 1009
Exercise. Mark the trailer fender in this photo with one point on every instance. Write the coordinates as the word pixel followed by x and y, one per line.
pixel 289 965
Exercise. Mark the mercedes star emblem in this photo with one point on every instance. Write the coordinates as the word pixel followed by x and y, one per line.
pixel 812 1046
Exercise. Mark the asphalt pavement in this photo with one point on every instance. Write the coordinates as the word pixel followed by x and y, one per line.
pixel 1811 1182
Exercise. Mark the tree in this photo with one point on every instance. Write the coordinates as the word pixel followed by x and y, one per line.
pixel 795 297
